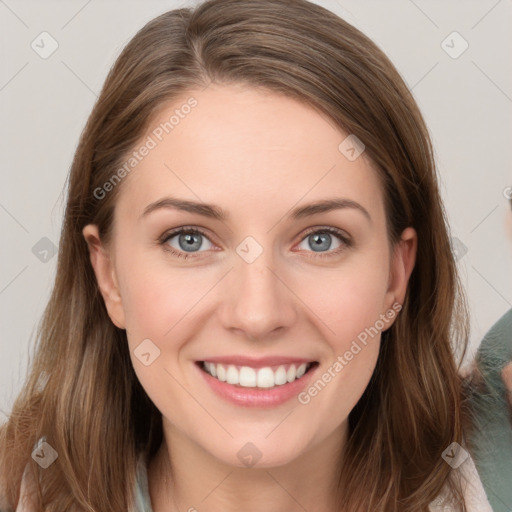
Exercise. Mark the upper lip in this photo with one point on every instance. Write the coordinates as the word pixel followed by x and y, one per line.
pixel 257 362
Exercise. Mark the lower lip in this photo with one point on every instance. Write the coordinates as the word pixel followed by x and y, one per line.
pixel 257 397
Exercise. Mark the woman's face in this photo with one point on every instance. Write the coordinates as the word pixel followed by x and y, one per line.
pixel 264 281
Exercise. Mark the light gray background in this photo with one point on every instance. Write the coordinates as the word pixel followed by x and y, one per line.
pixel 466 101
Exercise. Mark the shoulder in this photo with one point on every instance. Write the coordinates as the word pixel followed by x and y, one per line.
pixel 28 490
pixel 475 497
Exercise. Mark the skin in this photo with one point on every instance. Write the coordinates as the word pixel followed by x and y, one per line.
pixel 257 155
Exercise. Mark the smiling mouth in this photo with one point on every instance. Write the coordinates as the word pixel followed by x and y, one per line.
pixel 264 378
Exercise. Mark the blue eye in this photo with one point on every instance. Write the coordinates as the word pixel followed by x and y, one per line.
pixel 320 239
pixel 190 240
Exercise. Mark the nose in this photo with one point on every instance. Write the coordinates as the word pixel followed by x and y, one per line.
pixel 257 303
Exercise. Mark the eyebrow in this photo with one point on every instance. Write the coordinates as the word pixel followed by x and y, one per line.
pixel 215 212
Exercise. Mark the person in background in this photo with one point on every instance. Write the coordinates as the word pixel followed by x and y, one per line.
pixel 490 401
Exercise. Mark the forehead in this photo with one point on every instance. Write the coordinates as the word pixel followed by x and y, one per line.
pixel 248 150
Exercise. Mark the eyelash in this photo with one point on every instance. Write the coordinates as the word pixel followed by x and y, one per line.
pixel 347 243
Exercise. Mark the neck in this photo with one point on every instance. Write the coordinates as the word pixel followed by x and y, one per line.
pixel 183 476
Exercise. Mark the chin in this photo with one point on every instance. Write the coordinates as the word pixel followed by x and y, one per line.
pixel 259 453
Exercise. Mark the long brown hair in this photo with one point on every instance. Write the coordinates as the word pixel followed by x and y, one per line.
pixel 82 394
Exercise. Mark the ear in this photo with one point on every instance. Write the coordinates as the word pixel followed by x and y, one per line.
pixel 401 266
pixel 105 275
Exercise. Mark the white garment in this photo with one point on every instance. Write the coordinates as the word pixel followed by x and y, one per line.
pixel 474 493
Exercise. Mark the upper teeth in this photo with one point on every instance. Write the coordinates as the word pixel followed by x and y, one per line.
pixel 252 377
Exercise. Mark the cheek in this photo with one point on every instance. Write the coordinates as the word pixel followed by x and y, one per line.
pixel 354 337
pixel 156 298
pixel 349 305
pixel 347 301
pixel 159 304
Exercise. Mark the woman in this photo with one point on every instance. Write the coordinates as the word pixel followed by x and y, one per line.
pixel 263 372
